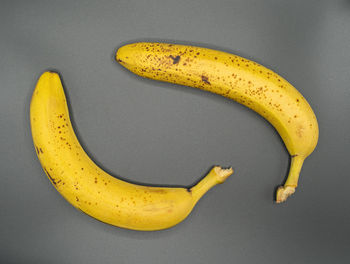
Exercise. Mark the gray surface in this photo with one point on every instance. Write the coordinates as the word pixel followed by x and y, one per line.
pixel 160 133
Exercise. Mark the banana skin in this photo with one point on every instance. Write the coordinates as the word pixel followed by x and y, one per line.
pixel 239 79
pixel 90 189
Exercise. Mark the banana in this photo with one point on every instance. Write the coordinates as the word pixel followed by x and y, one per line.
pixel 90 189
pixel 237 78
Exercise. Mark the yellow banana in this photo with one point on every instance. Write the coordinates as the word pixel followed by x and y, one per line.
pixel 237 78
pixel 90 189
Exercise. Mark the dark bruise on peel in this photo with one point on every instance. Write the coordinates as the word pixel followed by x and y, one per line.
pixel 175 59
pixel 205 79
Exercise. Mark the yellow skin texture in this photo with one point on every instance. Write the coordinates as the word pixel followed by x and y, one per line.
pixel 239 79
pixel 90 189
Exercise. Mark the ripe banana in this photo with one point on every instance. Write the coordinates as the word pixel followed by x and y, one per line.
pixel 90 189
pixel 239 79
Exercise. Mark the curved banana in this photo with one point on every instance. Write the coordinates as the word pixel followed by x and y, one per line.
pixel 239 79
pixel 90 189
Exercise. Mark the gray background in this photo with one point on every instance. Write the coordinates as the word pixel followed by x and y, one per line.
pixel 158 133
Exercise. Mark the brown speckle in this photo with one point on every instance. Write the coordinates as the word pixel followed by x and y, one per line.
pixel 175 59
pixel 48 175
pixel 205 79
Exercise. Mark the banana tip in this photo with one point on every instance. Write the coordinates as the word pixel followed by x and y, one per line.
pixel 222 174
pixel 283 193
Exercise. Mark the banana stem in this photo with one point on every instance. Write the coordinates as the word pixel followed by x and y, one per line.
pixel 294 171
pixel 217 175
pixel 283 192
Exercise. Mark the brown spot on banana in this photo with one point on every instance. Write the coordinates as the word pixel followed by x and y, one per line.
pixel 205 79
pixel 175 59
pixel 48 175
